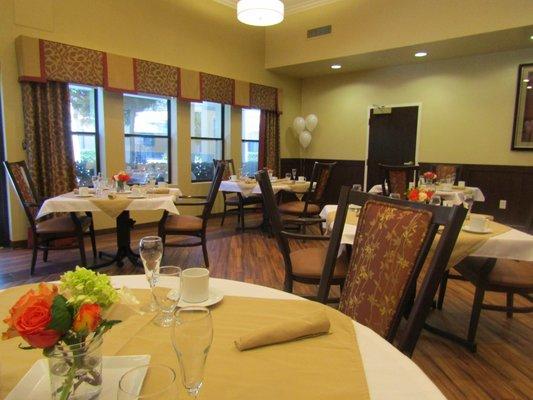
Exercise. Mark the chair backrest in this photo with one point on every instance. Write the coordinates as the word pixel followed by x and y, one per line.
pixel 396 178
pixel 21 179
pixel 392 242
pixel 448 171
pixel 321 175
pixel 213 190
pixel 229 170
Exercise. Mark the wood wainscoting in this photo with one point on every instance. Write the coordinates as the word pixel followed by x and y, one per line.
pixel 497 182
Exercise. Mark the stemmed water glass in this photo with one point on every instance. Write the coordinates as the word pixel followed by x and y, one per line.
pixel 293 171
pixel 148 382
pixel 151 252
pixel 192 335
pixel 166 292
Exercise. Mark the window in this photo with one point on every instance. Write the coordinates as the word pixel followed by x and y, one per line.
pixel 147 138
pixel 250 141
pixel 207 139
pixel 84 132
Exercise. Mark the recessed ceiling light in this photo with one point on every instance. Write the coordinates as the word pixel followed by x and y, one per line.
pixel 421 54
pixel 336 66
pixel 531 37
pixel 529 87
pixel 525 80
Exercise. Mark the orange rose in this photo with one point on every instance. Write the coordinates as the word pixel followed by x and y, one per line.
pixel 413 194
pixel 88 318
pixel 30 316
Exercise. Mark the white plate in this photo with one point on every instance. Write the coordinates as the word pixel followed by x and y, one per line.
pixel 36 383
pixel 136 196
pixel 214 297
pixel 467 228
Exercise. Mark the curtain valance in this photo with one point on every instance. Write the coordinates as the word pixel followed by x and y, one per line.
pixel 42 60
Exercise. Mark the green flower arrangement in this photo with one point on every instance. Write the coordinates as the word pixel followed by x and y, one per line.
pixel 84 286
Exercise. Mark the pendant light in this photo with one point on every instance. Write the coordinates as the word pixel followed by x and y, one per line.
pixel 260 12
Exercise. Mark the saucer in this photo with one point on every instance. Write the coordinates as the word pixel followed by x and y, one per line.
pixel 215 296
pixel 84 195
pixel 467 228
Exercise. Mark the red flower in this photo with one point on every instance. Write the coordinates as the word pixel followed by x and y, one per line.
pixel 30 316
pixel 88 318
pixel 413 194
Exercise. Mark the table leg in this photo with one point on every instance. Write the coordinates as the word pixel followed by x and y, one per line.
pixel 124 226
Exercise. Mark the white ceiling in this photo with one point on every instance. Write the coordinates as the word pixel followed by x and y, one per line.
pixel 291 6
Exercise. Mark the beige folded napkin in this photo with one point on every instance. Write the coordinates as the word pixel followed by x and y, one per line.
pixel 313 324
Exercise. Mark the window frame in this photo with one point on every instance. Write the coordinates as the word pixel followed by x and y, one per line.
pixel 168 136
pixel 221 139
pixel 96 132
pixel 251 140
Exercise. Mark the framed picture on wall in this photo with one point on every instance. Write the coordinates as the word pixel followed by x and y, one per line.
pixel 523 114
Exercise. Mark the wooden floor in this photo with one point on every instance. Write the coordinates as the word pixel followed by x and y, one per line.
pixel 502 368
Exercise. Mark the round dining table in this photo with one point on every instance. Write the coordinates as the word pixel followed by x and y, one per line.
pixel 389 373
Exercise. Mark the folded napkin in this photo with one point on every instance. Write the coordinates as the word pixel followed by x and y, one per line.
pixel 313 324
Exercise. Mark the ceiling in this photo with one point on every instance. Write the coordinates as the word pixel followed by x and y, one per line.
pixel 291 6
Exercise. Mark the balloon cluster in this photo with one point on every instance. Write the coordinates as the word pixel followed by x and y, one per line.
pixel 303 128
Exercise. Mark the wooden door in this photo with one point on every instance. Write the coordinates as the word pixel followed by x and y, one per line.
pixel 391 140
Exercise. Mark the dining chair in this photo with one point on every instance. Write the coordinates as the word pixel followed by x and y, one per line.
pixel 190 225
pixel 303 265
pixel 48 230
pixel 392 242
pixel 235 201
pixel 448 171
pixel 396 178
pixel 315 197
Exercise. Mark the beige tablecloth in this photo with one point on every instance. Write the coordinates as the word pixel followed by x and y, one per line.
pixel 248 188
pixel 323 367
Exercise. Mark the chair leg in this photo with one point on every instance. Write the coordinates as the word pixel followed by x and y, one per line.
pixel 442 290
pixel 45 253
pixel 474 318
pixel 241 213
pixel 204 250
pixel 510 301
pixel 34 257
pixel 81 245
pixel 223 215
pixel 287 285
pixel 93 240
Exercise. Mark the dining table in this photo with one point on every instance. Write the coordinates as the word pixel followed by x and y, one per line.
pixel 117 206
pixel 249 187
pixel 456 194
pixel 384 373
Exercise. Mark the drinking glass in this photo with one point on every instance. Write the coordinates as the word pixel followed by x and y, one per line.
pixel 159 383
pixel 395 196
pixel 192 335
pixel 435 200
pixel 288 175
pixel 166 292
pixel 468 202
pixel 357 187
pixel 293 171
pixel 151 252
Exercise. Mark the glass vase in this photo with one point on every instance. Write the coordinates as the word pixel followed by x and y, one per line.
pixel 76 370
pixel 120 186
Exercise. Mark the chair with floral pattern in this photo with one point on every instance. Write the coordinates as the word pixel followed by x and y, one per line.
pixel 392 241
pixel 396 178
pixel 448 172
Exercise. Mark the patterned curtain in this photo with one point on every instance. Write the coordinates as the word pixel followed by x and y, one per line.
pixel 47 137
pixel 269 141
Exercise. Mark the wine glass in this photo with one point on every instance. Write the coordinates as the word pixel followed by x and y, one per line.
pixel 395 196
pixel 468 202
pixel 357 187
pixel 166 292
pixel 293 171
pixel 192 335
pixel 151 252
pixel 148 382
pixel 435 200
pixel 288 176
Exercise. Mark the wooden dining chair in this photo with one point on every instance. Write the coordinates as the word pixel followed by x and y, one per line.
pixel 235 202
pixel 304 265
pixel 190 225
pixel 391 245
pixel 448 171
pixel 396 178
pixel 315 197
pixel 48 230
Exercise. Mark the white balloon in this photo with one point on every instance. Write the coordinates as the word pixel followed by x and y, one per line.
pixel 305 139
pixel 311 121
pixel 298 124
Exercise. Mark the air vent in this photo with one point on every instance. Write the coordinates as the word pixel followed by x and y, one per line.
pixel 320 31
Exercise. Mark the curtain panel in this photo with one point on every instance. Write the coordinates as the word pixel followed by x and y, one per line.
pixel 47 138
pixel 269 141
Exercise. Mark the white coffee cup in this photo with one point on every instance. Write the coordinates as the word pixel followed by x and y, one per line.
pixel 83 191
pixel 233 178
pixel 461 184
pixel 478 223
pixel 195 285
pixel 301 179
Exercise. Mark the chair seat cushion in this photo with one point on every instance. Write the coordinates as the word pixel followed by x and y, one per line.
pixel 505 274
pixel 297 208
pixel 309 263
pixel 61 225
pixel 182 223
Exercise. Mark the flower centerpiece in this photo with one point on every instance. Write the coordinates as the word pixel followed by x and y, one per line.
pixel 430 177
pixel 121 178
pixel 420 194
pixel 66 321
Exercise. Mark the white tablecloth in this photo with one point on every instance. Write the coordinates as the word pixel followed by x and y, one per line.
pixel 389 373
pixel 511 245
pixel 70 203
pixel 458 196
pixel 248 189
